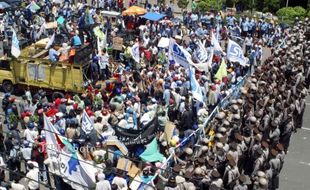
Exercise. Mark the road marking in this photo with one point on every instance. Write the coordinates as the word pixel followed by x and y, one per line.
pixel 304 128
pixel 304 163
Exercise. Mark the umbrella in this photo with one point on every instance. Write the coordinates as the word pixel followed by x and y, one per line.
pixel 153 16
pixel 112 141
pixel 134 10
pixel 4 5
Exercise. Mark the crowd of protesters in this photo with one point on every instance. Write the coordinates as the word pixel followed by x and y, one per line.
pixel 245 144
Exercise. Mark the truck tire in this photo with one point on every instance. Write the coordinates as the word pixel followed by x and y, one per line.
pixel 7 86
pixel 56 95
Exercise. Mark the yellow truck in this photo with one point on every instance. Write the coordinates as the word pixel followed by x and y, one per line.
pixel 33 69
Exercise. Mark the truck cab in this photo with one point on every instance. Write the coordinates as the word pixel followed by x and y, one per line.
pixel 6 74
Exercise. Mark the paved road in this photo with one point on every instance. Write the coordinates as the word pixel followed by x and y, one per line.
pixel 296 170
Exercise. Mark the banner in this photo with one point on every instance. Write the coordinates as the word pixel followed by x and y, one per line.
pixel 135 52
pixel 235 53
pixel 131 137
pixel 15 50
pixel 200 53
pixel 179 55
pixel 73 168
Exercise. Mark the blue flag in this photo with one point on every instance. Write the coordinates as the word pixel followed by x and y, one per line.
pixel 195 87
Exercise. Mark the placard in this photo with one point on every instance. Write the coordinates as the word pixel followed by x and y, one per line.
pixel 123 164
pixel 118 43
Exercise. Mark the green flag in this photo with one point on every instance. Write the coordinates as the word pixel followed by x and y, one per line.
pixel 151 153
pixel 222 71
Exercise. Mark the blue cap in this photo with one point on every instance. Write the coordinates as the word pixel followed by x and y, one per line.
pixel 31 125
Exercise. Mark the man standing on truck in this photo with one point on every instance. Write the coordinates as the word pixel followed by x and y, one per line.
pixel 104 65
pixel 53 55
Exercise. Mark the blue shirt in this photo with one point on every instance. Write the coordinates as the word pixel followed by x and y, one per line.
pixel 230 21
pixel 245 26
pixel 53 55
pixel 76 41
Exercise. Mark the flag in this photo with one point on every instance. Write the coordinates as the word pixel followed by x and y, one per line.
pixel 215 43
pixel 195 87
pixel 33 7
pixel 222 71
pixel 87 124
pixel 235 53
pixel 200 52
pixel 73 168
pixel 179 55
pixel 151 153
pixel 50 41
pixel 15 51
pixel 99 33
pixel 40 31
pixel 135 52
pixel 210 58
pixel 76 171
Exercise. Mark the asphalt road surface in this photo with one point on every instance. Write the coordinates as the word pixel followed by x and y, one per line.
pixel 296 169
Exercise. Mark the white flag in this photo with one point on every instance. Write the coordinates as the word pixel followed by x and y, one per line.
pixel 50 41
pixel 87 124
pixel 135 52
pixel 235 53
pixel 200 52
pixel 215 43
pixel 15 50
pixel 179 55
pixel 74 170
pixel 42 28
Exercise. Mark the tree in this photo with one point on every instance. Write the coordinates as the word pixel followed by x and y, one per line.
pixel 271 5
pixel 183 4
pixel 288 14
pixel 205 5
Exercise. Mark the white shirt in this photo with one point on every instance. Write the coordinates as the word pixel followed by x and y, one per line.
pixel 33 174
pixel 17 186
pixel 120 182
pixel 103 185
pixel 104 61
pixel 27 153
pixel 30 135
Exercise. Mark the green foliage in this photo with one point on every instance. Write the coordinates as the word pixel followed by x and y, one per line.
pixel 183 3
pixel 34 118
pixel 289 13
pixel 13 119
pixel 206 5
pixel 300 10
pixel 271 5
